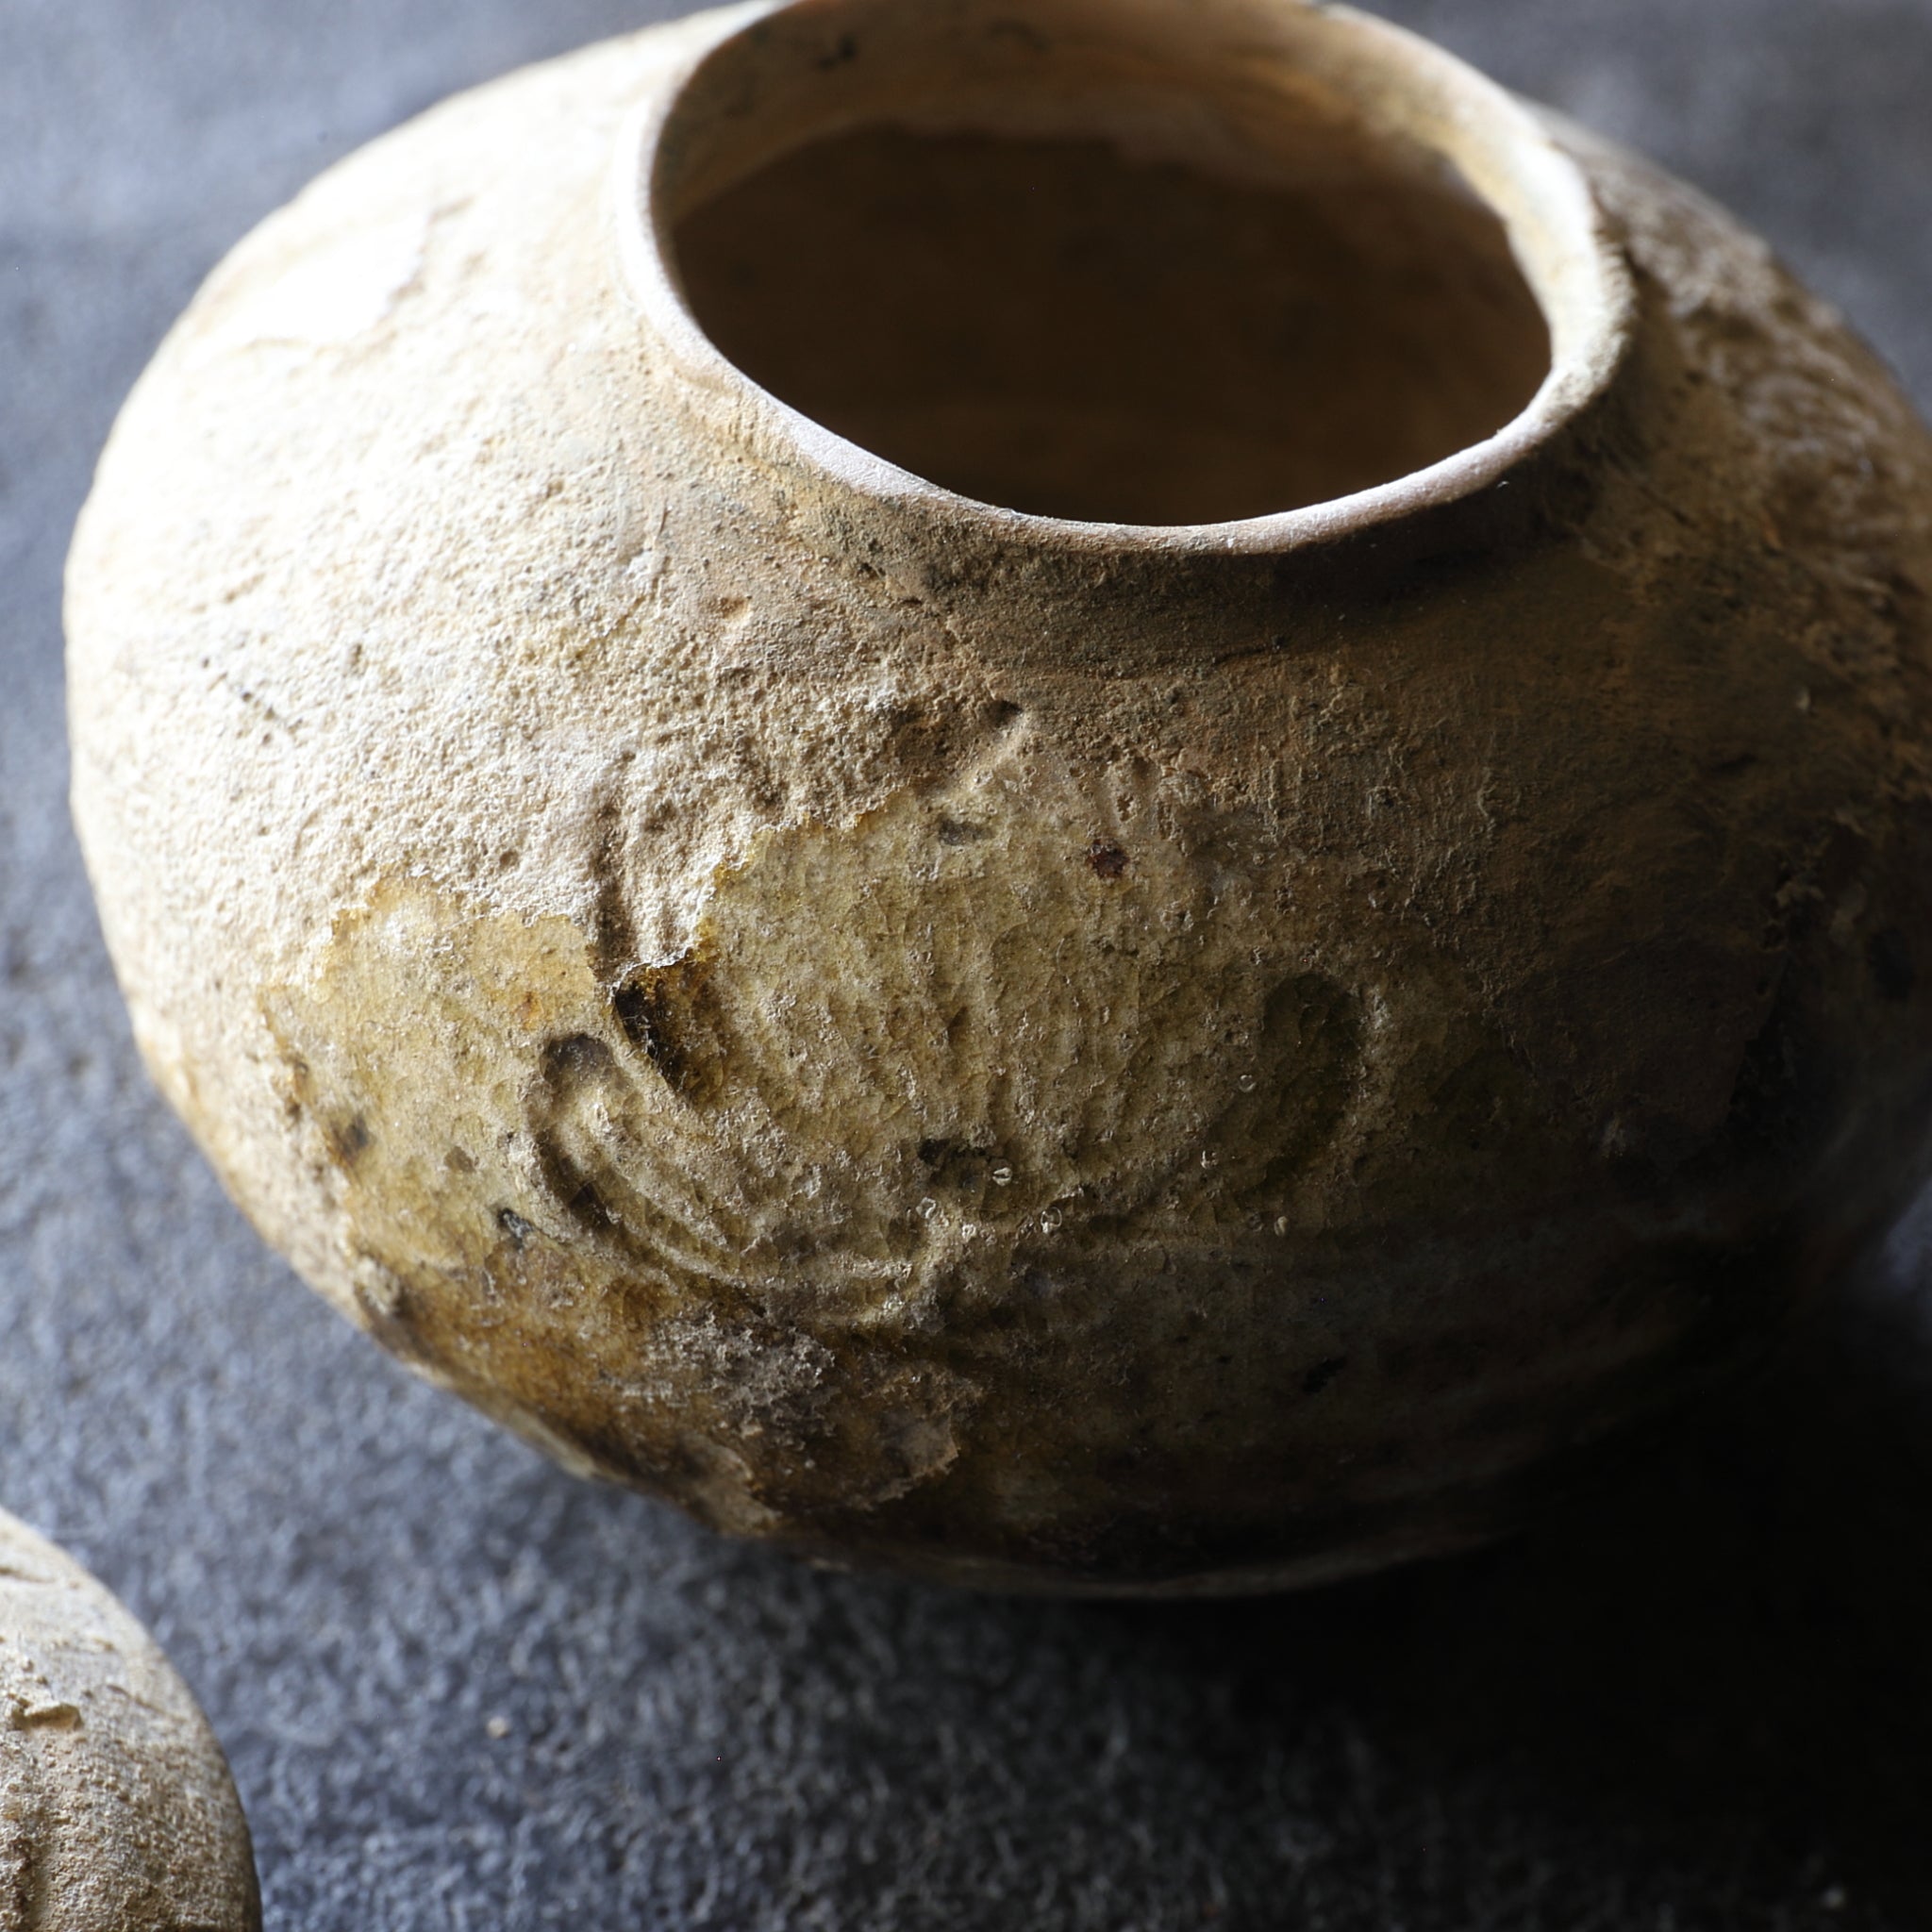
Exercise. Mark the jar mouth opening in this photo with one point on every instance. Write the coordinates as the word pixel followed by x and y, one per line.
pixel 1233 275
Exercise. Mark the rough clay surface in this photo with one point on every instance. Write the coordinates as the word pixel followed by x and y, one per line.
pixel 117 1814
pixel 461 1690
pixel 1089 1071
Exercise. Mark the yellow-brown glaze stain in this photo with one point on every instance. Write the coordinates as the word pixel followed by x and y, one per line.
pixel 825 1230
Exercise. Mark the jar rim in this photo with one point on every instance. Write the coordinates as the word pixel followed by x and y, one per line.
pixel 1403 84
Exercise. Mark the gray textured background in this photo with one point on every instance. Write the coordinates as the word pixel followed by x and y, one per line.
pixel 462 1691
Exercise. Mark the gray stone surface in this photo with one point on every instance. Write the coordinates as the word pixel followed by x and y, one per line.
pixel 462 1691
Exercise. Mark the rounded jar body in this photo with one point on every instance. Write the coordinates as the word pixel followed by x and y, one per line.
pixel 994 1036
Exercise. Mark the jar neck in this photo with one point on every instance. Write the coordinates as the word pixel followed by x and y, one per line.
pixel 1285 96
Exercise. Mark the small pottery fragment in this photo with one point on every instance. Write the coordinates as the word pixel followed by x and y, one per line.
pixel 117 1814
pixel 1110 795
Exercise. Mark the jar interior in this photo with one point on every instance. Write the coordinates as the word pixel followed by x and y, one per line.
pixel 1066 282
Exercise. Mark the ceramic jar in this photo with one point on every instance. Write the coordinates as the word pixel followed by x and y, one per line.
pixel 1111 795
pixel 116 1806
